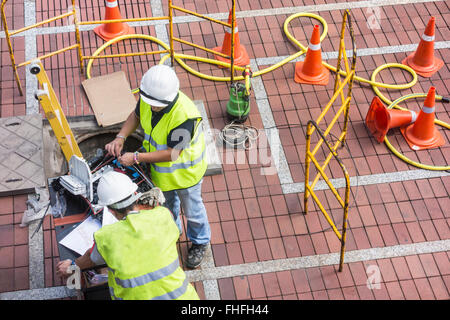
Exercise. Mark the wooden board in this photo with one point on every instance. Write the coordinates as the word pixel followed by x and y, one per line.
pixel 110 98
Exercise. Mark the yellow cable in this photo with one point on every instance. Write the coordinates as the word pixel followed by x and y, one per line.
pixel 375 85
pixel 400 155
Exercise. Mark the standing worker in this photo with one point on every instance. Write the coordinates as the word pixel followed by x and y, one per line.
pixel 175 149
pixel 140 249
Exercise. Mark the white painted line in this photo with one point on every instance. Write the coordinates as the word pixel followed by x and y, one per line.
pixel 215 273
pixel 360 53
pixel 368 180
pixel 31 85
pixel 36 256
pixel 35 244
pixel 210 287
pixel 318 260
pixel 39 294
pixel 161 31
pixel 276 148
pixel 240 14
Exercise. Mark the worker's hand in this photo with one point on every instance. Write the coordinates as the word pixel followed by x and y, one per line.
pixel 62 268
pixel 154 197
pixel 127 159
pixel 115 147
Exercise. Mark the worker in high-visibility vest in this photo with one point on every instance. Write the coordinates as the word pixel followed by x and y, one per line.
pixel 140 249
pixel 175 149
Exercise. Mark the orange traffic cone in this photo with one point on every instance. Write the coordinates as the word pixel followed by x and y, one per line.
pixel 423 60
pixel 423 134
pixel 311 70
pixel 240 54
pixel 110 31
pixel 380 119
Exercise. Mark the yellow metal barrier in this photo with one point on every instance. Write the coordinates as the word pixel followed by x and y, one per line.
pixel 314 126
pixel 8 36
pixel 78 46
pixel 54 113
pixel 231 25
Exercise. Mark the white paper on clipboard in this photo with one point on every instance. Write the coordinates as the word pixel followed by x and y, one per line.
pixel 82 237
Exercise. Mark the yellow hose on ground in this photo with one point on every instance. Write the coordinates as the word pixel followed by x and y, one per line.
pixel 375 85
pixel 400 155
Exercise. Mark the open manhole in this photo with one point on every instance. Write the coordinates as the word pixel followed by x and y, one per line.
pixel 90 137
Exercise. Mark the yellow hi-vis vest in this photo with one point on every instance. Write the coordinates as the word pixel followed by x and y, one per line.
pixel 191 165
pixel 142 258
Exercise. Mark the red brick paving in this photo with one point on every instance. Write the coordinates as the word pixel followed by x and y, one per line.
pixel 251 220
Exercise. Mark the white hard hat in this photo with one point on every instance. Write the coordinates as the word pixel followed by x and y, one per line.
pixel 159 86
pixel 116 190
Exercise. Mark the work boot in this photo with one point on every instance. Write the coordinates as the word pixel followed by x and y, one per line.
pixel 195 255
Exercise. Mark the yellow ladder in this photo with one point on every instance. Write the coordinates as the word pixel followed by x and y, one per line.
pixel 54 113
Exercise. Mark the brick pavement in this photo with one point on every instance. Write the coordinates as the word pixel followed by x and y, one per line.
pixel 252 219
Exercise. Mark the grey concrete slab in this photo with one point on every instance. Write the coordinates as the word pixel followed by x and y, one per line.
pixel 21 168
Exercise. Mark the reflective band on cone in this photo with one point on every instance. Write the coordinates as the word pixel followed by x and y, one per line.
pixel 423 61
pixel 228 30
pixel 427 109
pixel 112 4
pixel 241 57
pixel 314 47
pixel 423 134
pixel 427 38
pixel 413 116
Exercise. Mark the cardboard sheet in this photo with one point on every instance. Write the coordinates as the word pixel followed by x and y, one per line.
pixel 110 98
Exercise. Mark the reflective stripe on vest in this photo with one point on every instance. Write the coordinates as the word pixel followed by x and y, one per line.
pixel 149 277
pixel 160 147
pixel 176 166
pixel 111 293
pixel 191 164
pixel 173 294
pixel 142 257
pixel 154 144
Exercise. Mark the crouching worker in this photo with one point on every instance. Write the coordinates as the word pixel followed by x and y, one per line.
pixel 139 250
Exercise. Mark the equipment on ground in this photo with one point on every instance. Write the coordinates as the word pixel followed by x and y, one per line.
pixel 238 107
pixel 380 119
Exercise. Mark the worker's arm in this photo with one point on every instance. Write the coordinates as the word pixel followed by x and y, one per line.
pixel 178 139
pixel 83 262
pixel 168 155
pixel 115 147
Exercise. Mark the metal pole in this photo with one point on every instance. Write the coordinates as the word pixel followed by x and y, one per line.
pixel 172 51
pixel 350 84
pixel 344 223
pixel 307 164
pixel 233 25
pixel 77 35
